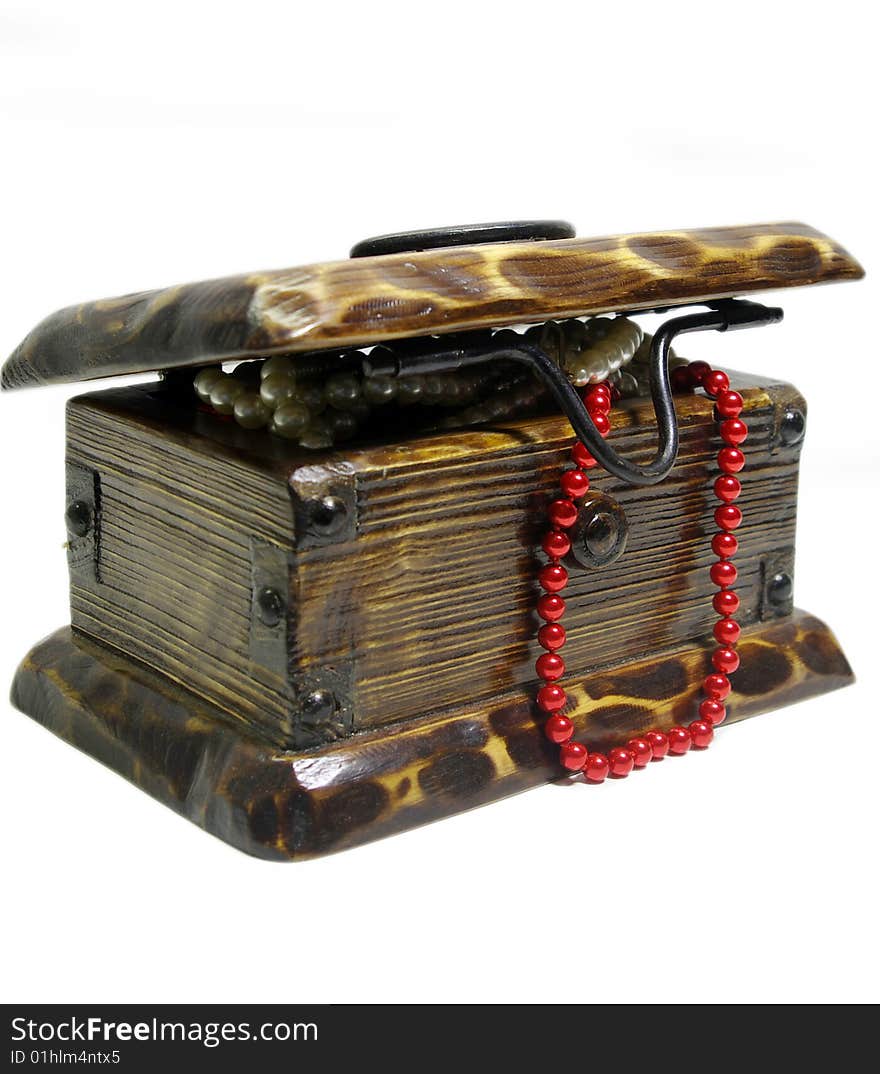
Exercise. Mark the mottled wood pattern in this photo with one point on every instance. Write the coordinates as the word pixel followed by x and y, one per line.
pixel 284 806
pixel 367 300
pixel 437 583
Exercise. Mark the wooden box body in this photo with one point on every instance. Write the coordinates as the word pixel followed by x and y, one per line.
pixel 415 596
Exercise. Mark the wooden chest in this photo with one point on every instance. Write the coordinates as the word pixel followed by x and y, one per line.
pixel 303 649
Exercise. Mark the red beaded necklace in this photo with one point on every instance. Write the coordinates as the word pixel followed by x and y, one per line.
pixel 562 514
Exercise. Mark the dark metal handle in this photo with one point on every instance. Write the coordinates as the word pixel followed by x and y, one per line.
pixel 437 238
pixel 722 316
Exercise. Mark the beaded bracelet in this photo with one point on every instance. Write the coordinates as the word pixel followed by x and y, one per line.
pixel 562 513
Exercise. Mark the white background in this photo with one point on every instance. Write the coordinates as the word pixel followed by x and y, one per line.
pixel 142 144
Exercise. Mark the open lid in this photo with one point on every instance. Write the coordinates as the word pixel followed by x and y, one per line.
pixel 420 284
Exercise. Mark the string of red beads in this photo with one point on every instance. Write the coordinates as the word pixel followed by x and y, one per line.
pixel 562 513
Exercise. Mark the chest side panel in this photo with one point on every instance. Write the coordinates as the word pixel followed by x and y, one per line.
pixel 173 568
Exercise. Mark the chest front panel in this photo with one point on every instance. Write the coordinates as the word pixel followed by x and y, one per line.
pixel 422 600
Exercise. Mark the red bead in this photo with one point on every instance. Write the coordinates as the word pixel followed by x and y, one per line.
pixel 550 667
pixel 724 545
pixel 641 750
pixel 697 371
pixel 582 457
pixel 725 659
pixel 716 686
pixel 556 544
pixel 562 513
pixel 551 636
pixel 679 740
pixel 726 631
pixel 550 606
pixel 712 711
pixel 731 460
pixel 596 768
pixel 728 517
pixel 680 379
pixel 558 728
pixel 723 573
pixel 620 761
pixel 553 577
pixel 659 744
pixel 573 756
pixel 597 399
pixel 551 698
pixel 733 431
pixel 701 733
pixel 574 483
pixel 715 383
pixel 726 602
pixel 603 425
pixel 727 488
pixel 729 404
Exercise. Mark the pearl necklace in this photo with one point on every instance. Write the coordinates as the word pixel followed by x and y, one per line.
pixel 319 403
pixel 562 513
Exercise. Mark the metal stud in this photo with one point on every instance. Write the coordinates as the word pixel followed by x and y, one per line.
pixel 79 518
pixel 270 606
pixel 327 514
pixel 780 590
pixel 792 427
pixel 599 535
pixel 318 706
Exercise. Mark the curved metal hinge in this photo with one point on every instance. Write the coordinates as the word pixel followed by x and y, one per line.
pixel 722 316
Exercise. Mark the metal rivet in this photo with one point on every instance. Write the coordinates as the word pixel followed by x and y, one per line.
pixel 270 606
pixel 327 514
pixel 318 706
pixel 780 590
pixel 601 533
pixel 79 518
pixel 792 427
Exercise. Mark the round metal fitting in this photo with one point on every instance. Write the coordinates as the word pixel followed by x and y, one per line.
pixel 327 515
pixel 600 533
pixel 78 517
pixel 270 606
pixel 780 590
pixel 792 427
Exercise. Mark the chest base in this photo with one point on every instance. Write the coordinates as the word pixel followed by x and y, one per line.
pixel 285 805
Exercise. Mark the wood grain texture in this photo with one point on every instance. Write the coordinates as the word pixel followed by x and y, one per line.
pixel 367 300
pixel 429 602
pixel 283 806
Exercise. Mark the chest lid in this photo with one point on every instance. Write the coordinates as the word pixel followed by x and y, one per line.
pixel 421 284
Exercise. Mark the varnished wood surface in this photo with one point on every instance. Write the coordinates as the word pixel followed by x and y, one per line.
pixel 430 602
pixel 174 571
pixel 284 806
pixel 367 300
